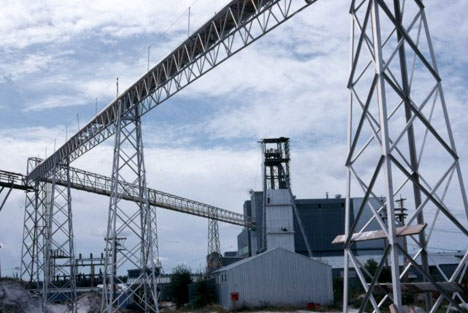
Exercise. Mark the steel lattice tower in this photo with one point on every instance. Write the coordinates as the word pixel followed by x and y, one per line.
pixel 402 122
pixel 59 254
pixel 129 241
pixel 213 258
pixel 32 252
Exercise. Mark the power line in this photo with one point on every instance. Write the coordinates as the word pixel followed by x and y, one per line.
pixel 448 231
pixel 440 248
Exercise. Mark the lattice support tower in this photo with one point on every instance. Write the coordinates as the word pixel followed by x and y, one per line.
pixel 213 258
pixel 59 254
pixel 32 252
pixel 402 122
pixel 155 246
pixel 129 239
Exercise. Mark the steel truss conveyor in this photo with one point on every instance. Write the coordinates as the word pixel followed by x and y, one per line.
pixel 100 184
pixel 235 27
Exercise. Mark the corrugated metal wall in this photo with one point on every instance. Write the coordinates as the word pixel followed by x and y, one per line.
pixel 279 220
pixel 278 278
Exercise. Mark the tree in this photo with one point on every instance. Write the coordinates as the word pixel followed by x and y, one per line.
pixel 372 266
pixel 178 289
pixel 204 294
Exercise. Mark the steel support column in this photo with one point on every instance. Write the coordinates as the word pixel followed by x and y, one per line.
pixel 129 240
pixel 396 92
pixel 32 251
pixel 213 258
pixel 59 253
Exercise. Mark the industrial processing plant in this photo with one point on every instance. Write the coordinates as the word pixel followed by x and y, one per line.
pixel 313 174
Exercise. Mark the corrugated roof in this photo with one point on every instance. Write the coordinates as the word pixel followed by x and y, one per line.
pixel 228 267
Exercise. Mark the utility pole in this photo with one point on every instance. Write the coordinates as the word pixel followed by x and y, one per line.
pixel 400 213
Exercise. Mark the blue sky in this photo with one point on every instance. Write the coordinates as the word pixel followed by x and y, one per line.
pixel 57 57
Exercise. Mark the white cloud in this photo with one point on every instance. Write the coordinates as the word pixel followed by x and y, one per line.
pixel 55 102
pixel 13 69
pixel 24 23
pixel 292 82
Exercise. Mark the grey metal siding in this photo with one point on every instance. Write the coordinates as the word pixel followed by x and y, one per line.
pixel 278 278
pixel 279 220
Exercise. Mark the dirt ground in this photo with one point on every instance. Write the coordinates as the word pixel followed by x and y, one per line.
pixel 14 298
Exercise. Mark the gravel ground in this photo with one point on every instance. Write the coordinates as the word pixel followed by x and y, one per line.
pixel 14 298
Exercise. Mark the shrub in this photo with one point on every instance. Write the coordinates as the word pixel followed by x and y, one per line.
pixel 178 289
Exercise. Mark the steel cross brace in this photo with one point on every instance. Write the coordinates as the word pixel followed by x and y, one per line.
pixel 401 117
pixel 130 242
pixel 59 254
pixel 36 202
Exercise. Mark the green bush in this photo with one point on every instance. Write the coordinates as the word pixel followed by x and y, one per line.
pixel 178 289
pixel 204 294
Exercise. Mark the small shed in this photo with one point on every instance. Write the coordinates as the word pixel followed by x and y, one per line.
pixel 274 278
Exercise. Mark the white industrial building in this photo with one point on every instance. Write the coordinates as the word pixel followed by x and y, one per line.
pixel 276 277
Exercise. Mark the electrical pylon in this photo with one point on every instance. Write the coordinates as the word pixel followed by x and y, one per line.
pixel 401 142
pixel 129 239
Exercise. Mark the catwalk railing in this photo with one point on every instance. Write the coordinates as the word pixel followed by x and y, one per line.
pixel 236 26
pixel 12 180
pixel 8 182
pixel 100 184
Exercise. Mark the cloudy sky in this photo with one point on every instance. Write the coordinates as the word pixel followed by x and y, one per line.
pixel 58 58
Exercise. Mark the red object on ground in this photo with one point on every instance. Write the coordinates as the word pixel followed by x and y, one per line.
pixel 313 306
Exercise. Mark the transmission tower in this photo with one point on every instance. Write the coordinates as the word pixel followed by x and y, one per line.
pixel 396 93
pixel 132 221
